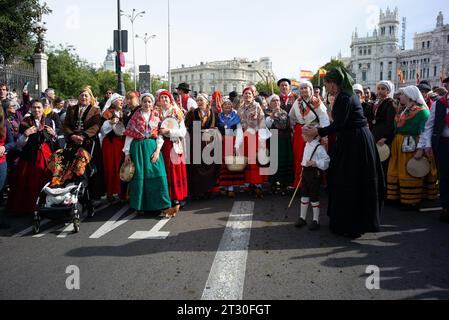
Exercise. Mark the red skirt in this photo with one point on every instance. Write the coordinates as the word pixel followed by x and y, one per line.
pixel 176 172
pixel 112 161
pixel 252 173
pixel 298 152
pixel 27 182
pixel 229 178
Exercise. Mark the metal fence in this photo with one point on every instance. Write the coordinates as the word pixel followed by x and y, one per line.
pixel 17 75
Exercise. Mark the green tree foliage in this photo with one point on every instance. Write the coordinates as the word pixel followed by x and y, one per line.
pixel 333 63
pixel 263 86
pixel 16 27
pixel 68 74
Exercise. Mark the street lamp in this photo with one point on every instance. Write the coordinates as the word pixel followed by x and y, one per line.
pixel 145 39
pixel 132 17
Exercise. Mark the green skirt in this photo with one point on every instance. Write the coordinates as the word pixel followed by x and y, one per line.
pixel 149 187
pixel 284 174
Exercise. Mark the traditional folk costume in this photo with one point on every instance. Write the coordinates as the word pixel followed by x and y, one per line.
pixel 202 177
pixel 113 142
pixel 436 136
pixel 279 120
pixel 231 130
pixel 311 181
pixel 255 136
pixel 174 154
pixel 85 121
pixel 31 173
pixel 410 123
pixel 311 112
pixel 149 186
pixel 287 101
pixel 355 182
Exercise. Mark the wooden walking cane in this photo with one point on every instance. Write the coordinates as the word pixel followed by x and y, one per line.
pixel 296 191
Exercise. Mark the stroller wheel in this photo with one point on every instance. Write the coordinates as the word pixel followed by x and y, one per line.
pixel 76 225
pixel 90 211
pixel 36 226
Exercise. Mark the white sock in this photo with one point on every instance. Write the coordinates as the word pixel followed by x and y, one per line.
pixel 316 211
pixel 304 207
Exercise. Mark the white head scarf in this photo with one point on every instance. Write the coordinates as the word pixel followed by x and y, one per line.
pixel 389 85
pixel 269 99
pixel 306 83
pixel 204 96
pixel 111 100
pixel 414 94
pixel 358 87
pixel 144 95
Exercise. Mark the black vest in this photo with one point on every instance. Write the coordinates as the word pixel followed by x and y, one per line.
pixel 440 124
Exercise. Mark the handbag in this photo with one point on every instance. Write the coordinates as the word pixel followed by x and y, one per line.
pixel 409 144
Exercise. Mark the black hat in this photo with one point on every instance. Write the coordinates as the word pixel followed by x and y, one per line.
pixel 424 86
pixel 284 80
pixel 233 94
pixel 184 86
pixel 446 80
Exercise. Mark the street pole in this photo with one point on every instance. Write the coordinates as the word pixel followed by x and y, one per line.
pixel 146 39
pixel 121 84
pixel 169 66
pixel 132 17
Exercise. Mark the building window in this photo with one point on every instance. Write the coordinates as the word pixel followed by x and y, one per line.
pixel 364 52
pixel 435 71
pixel 364 76
pixel 423 45
pixel 448 38
pixel 381 66
pixel 369 51
pixel 201 76
pixel 360 66
pixel 381 75
pixel 428 44
pixel 369 65
pixel 361 52
pixel 389 75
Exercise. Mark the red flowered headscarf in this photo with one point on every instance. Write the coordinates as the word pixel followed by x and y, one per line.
pixel 166 93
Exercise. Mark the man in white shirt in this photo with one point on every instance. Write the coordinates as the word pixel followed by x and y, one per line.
pixel 435 141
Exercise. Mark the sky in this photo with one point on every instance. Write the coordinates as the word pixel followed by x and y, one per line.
pixel 296 35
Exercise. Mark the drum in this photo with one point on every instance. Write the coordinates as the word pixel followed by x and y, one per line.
pixel 418 168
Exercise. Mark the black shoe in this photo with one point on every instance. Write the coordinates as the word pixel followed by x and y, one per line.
pixel 300 223
pixel 314 226
pixel 444 217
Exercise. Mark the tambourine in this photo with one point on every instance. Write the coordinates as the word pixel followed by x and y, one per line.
pixel 384 152
pixel 119 129
pixel 127 171
pixel 418 168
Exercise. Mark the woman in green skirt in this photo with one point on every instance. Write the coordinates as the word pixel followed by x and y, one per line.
pixel 278 119
pixel 148 188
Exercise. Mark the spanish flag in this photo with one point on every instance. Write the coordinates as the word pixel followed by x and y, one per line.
pixel 323 72
pixel 306 74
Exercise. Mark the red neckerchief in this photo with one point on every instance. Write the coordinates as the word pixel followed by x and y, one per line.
pixel 286 98
pixel 184 101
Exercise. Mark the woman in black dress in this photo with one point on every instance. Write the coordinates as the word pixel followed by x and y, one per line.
pixel 356 181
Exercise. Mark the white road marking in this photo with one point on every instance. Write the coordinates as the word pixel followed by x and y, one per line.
pixel 30 229
pixel 227 276
pixel 69 229
pixel 154 233
pixel 113 223
pixel 431 209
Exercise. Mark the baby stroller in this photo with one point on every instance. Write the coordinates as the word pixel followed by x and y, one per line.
pixel 67 195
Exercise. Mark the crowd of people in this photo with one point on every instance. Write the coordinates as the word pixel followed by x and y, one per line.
pixel 332 141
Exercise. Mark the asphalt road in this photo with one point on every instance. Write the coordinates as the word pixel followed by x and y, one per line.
pixel 227 249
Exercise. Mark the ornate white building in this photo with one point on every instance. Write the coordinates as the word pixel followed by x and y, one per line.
pixel 224 76
pixel 380 57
